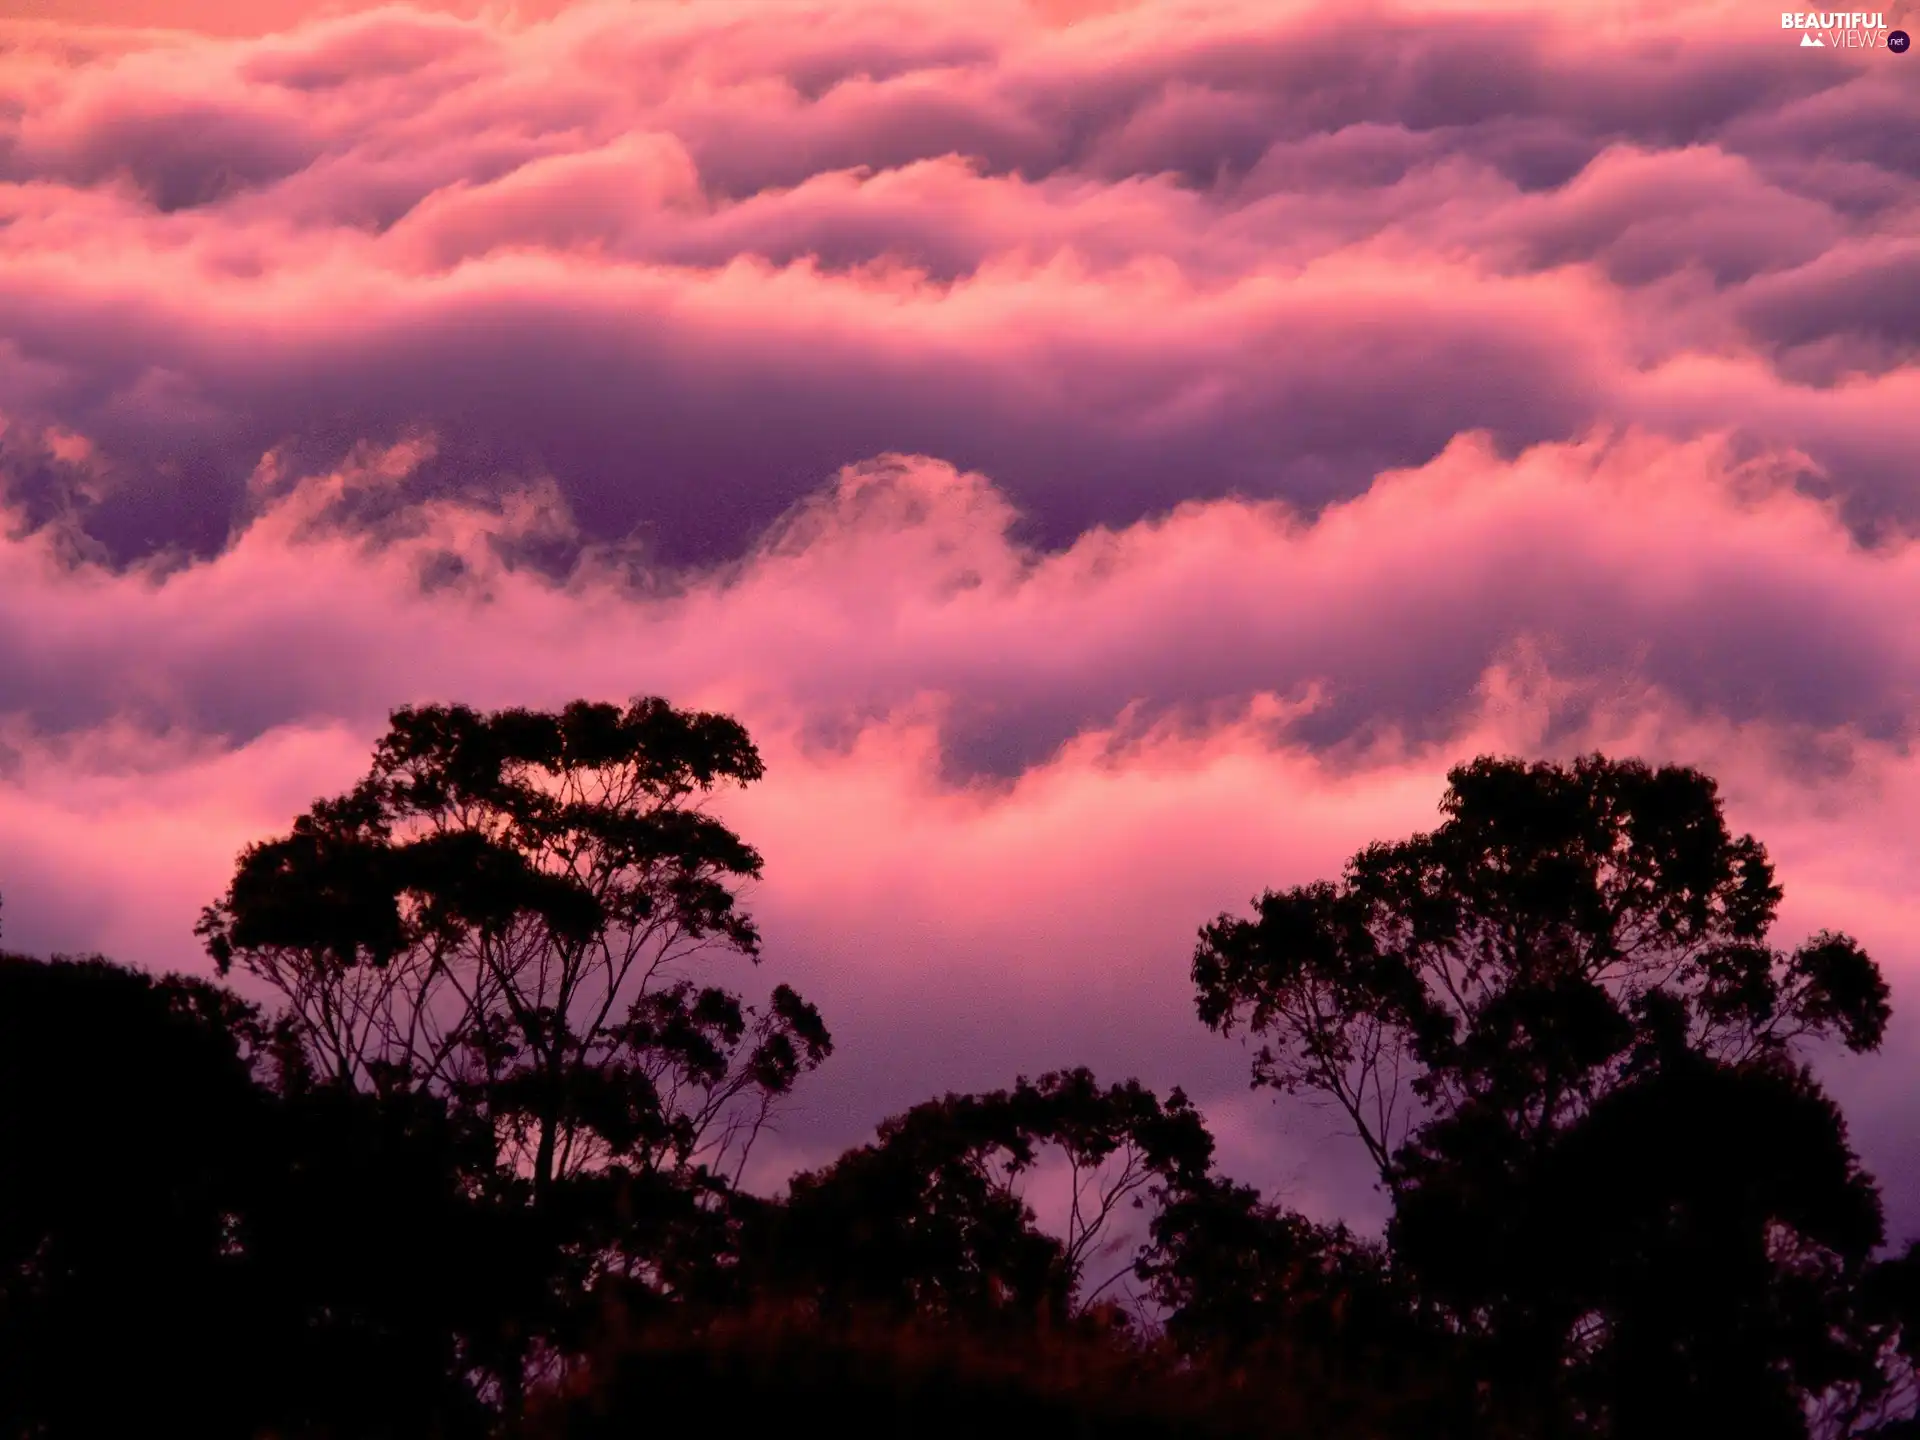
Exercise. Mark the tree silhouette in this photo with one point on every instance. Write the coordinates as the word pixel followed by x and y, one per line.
pixel 185 1249
pixel 1513 956
pixel 932 1219
pixel 499 1114
pixel 1888 1407
pixel 1312 1315
pixel 1560 1030
pixel 126 1106
pixel 1233 1270
pixel 508 913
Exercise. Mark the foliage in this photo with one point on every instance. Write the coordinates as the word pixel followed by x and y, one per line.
pixel 184 1249
pixel 1560 1029
pixel 1310 1316
pixel 476 1171
pixel 504 913
pixel 931 1218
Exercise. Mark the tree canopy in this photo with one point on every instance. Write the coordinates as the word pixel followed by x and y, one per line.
pixel 933 1218
pixel 510 912
pixel 187 1247
pixel 472 1167
pixel 1561 1029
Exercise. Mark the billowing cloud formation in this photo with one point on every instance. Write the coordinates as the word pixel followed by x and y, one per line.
pixel 688 259
pixel 1629 560
pixel 1112 467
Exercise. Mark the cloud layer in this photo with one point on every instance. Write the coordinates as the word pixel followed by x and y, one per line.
pixel 689 259
pixel 1112 466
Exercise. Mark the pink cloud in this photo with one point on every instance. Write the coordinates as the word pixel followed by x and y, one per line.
pixel 1166 691
pixel 1241 247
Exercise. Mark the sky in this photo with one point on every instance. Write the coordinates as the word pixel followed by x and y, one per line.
pixel 1115 457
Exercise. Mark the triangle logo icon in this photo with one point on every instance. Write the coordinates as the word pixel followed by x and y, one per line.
pixel 1808 40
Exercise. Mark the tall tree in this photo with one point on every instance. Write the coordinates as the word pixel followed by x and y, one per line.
pixel 512 912
pixel 1515 1011
pixel 1515 955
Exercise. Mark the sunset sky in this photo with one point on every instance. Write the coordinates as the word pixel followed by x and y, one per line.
pixel 1115 457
